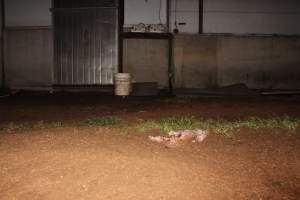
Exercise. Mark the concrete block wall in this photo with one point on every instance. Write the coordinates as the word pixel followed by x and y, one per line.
pixel 29 58
pixel 259 62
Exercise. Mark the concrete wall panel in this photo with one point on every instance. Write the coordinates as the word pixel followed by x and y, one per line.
pixel 191 20
pixel 258 62
pixel 147 12
pixel 187 11
pixel 147 60
pixel 29 58
pixel 199 61
pixel 252 16
pixel 245 23
pixel 199 66
pixel 1 67
pixel 28 13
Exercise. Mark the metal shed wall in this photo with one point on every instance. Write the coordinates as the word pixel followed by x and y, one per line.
pixel 85 42
pixel 252 16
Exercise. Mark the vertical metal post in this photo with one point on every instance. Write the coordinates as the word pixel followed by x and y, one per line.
pixel 200 16
pixel 121 24
pixel 170 64
pixel 168 15
pixel 2 42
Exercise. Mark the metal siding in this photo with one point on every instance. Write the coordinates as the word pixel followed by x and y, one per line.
pixel 86 45
pixel 84 3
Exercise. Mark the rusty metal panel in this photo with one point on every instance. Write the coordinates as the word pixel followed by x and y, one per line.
pixel 86 45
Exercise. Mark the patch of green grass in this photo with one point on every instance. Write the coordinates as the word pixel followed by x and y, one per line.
pixel 289 123
pixel 104 121
pixel 225 127
pixel 166 125
pixel 14 127
pixel 218 126
pixel 147 126
pixel 176 123
pixel 284 122
pixel 48 125
pixel 125 128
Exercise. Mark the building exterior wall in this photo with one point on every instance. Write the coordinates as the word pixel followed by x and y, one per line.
pixel 1 66
pixel 199 61
pixel 260 62
pixel 29 58
pixel 251 16
pixel 147 12
pixel 230 16
pixel 20 13
pixel 186 12
pixel 217 61
pixel 146 60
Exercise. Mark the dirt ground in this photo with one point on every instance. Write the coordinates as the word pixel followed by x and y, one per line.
pixel 78 162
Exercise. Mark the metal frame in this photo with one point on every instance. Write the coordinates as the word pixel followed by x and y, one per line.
pixel 200 16
pixel 120 31
pixel 168 14
pixel 3 43
pixel 161 36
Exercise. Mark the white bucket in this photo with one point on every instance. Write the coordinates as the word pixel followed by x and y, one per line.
pixel 122 84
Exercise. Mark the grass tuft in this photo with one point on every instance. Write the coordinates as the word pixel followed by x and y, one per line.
pixel 147 126
pixel 104 121
pixel 166 125
pixel 218 126
pixel 176 123
pixel 15 127
pixel 48 125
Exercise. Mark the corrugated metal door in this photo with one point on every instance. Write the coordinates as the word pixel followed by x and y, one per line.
pixel 85 42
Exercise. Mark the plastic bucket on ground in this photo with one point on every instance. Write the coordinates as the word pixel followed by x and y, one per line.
pixel 122 84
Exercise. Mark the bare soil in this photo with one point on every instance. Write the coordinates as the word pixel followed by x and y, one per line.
pixel 78 162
